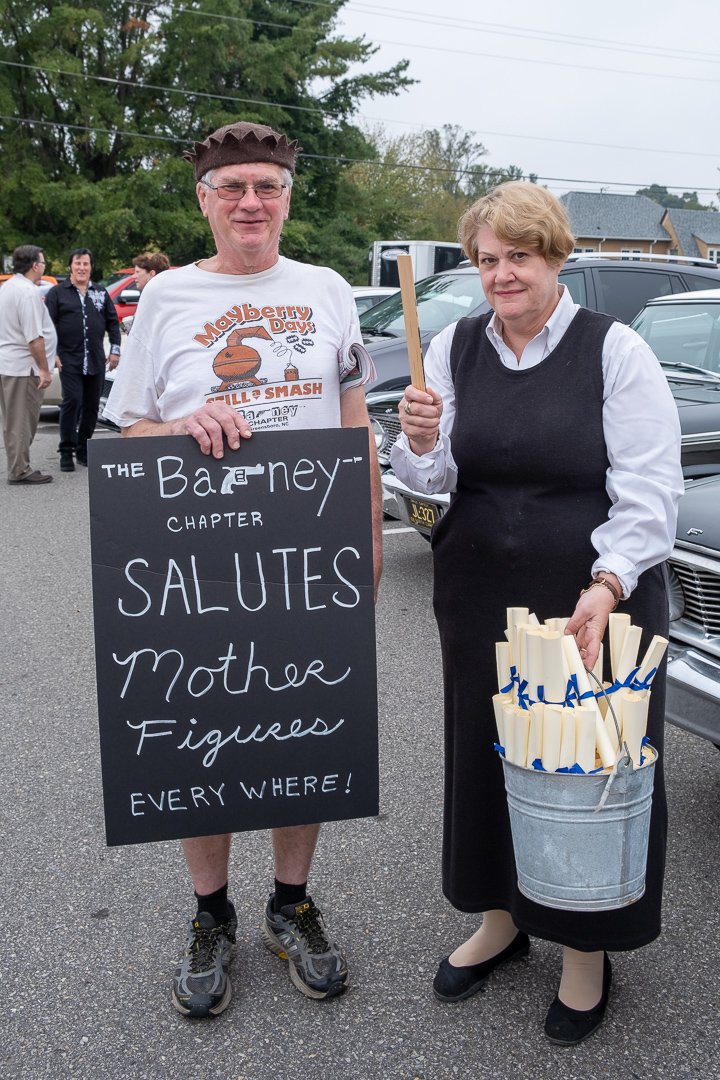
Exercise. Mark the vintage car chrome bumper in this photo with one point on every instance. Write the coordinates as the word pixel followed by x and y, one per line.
pixel 693 692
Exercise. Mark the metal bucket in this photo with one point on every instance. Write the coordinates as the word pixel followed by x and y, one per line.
pixel 581 841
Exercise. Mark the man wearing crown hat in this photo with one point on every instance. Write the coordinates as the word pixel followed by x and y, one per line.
pixel 213 348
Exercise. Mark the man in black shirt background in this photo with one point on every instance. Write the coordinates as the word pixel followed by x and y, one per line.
pixel 83 314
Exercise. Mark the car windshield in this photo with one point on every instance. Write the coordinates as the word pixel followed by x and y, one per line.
pixel 113 279
pixel 441 300
pixel 683 336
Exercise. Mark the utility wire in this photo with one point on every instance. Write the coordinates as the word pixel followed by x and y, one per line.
pixel 506 30
pixel 329 112
pixel 163 89
pixel 341 160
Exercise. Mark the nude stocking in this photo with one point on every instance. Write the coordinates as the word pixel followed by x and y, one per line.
pixel 495 934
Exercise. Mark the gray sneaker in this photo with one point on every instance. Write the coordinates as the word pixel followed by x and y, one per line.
pixel 296 933
pixel 201 985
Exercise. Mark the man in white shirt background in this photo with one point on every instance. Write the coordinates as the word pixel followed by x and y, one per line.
pixel 27 350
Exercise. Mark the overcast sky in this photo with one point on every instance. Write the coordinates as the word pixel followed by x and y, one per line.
pixel 618 94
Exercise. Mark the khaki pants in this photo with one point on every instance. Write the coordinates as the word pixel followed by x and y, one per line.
pixel 20 401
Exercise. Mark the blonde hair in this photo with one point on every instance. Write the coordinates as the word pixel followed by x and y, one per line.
pixel 519 212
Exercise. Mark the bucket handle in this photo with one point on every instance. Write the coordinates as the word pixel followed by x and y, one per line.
pixel 624 763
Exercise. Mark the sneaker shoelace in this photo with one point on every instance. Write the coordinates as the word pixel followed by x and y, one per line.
pixel 204 947
pixel 308 923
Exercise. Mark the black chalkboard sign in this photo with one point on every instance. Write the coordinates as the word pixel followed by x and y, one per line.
pixel 234 633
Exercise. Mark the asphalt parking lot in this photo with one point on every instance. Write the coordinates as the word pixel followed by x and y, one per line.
pixel 89 934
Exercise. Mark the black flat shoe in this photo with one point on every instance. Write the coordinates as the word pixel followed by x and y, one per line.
pixel 568 1027
pixel 457 983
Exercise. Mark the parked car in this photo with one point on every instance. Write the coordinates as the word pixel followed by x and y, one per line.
pixel 123 291
pixel 619 288
pixel 369 296
pixel 684 333
pixel 693 680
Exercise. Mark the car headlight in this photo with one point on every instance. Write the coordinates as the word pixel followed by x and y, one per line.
pixel 676 596
pixel 379 432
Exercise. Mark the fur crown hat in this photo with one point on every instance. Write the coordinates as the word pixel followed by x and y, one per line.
pixel 240 144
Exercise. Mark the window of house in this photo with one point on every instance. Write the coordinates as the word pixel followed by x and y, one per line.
pixel 714 254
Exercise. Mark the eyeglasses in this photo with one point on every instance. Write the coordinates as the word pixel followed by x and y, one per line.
pixel 234 192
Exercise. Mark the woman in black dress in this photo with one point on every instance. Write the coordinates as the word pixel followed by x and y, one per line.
pixel 554 429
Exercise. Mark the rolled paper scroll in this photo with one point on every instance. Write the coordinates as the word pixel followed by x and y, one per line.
pixel 598 669
pixel 553 667
pixel 535 739
pixel 521 737
pixel 617 624
pixel 552 734
pixel 611 728
pixel 515 616
pixel 508 720
pixel 585 738
pixel 577 668
pixel 604 746
pixel 557 625
pixel 567 738
pixel 653 656
pixel 498 701
pixel 533 619
pixel 602 700
pixel 502 659
pixel 533 671
pixel 628 654
pixel 634 708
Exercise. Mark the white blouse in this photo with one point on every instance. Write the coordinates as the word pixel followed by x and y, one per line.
pixel 642 434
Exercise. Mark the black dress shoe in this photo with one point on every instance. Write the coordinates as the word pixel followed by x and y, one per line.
pixel 568 1027
pixel 457 983
pixel 66 461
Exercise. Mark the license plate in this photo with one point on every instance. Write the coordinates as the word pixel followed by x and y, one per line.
pixel 421 514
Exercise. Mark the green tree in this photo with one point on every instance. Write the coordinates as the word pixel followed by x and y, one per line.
pixel 687 201
pixel 98 99
pixel 418 185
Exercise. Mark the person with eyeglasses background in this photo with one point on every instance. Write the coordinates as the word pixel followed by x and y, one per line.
pixel 215 350
pixel 27 355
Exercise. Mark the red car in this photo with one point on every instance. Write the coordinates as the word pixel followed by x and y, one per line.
pixel 123 291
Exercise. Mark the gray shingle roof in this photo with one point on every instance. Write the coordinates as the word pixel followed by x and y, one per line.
pixel 614 217
pixel 705 224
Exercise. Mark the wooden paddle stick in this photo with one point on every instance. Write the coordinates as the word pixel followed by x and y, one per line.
pixel 412 328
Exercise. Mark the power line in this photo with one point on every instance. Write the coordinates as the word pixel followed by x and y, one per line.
pixel 507 30
pixel 339 159
pixel 164 89
pixel 329 112
pixel 548 63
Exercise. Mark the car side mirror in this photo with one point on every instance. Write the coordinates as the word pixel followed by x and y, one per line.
pixel 128 296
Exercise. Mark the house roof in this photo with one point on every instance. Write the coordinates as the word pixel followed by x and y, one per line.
pixel 689 224
pixel 614 217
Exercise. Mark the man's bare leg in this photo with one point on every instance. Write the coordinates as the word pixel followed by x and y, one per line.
pixel 293 850
pixel 207 859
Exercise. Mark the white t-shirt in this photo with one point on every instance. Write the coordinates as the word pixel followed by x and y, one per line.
pixel 279 347
pixel 23 318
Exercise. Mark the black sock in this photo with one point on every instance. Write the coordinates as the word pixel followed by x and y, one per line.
pixel 216 904
pixel 288 894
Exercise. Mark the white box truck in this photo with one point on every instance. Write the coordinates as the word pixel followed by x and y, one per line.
pixel 428 256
